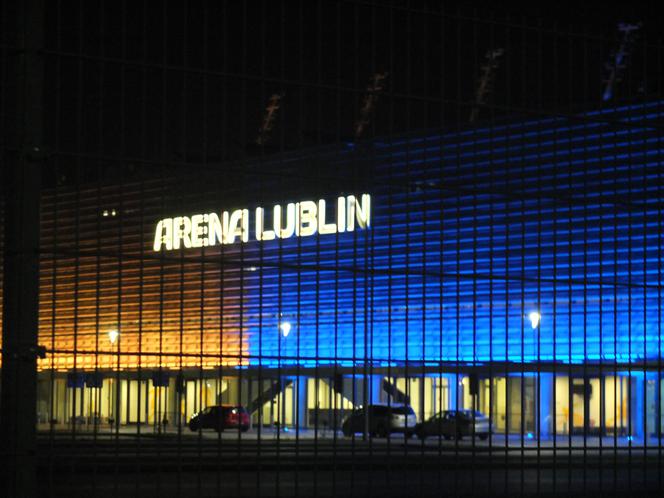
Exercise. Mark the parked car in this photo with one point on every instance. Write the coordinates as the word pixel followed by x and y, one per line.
pixel 455 424
pixel 221 417
pixel 383 420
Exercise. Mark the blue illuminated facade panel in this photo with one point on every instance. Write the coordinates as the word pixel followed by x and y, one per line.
pixel 470 233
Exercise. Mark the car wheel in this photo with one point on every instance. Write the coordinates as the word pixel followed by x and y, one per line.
pixel 193 427
pixel 421 435
pixel 346 431
pixel 244 428
pixel 459 436
pixel 382 431
pixel 484 437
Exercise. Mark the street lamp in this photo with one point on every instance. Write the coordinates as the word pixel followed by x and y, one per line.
pixel 534 318
pixel 113 336
pixel 285 328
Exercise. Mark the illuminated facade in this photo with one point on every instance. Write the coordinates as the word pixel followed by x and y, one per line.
pixel 514 269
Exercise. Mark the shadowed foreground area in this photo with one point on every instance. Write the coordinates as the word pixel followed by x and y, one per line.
pixel 192 466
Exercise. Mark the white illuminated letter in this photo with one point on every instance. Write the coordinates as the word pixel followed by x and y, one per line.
pixel 198 230
pixel 324 228
pixel 290 221
pixel 181 231
pixel 225 226
pixel 350 213
pixel 341 214
pixel 307 223
pixel 214 230
pixel 260 221
pixel 363 213
pixel 163 235
pixel 245 225
pixel 356 211
pixel 234 226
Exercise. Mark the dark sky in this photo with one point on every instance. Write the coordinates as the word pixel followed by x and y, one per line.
pixel 188 82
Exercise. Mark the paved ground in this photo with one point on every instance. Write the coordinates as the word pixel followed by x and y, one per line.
pixel 308 464
pixel 293 434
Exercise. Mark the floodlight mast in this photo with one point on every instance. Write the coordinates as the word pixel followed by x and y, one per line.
pixel 269 117
pixel 618 62
pixel 374 90
pixel 485 83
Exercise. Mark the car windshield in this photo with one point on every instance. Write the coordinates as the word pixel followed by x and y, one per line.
pixel 402 410
pixel 379 410
pixel 470 414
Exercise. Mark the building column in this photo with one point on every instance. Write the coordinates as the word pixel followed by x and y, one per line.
pixel 374 389
pixel 637 404
pixel 454 392
pixel 546 418
pixel 300 401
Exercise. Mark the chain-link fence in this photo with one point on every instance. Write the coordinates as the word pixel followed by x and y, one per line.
pixel 331 248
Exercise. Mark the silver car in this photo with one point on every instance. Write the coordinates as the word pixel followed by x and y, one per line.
pixel 382 421
pixel 455 424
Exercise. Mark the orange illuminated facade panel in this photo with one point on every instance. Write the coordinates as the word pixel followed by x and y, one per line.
pixel 106 302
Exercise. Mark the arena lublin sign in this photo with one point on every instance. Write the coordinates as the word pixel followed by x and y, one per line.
pixel 299 219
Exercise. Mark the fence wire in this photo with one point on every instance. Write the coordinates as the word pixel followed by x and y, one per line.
pixel 331 248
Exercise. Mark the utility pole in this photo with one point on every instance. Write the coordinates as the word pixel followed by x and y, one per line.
pixel 22 163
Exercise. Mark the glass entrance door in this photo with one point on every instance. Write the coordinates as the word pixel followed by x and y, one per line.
pixel 578 406
pixel 586 416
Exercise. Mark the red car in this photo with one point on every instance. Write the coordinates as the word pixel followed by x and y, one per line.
pixel 221 417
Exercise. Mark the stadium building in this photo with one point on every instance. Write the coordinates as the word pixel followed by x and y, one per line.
pixel 513 269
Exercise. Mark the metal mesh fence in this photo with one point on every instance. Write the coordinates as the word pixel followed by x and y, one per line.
pixel 330 248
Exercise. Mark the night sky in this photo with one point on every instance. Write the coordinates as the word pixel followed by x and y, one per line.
pixel 134 84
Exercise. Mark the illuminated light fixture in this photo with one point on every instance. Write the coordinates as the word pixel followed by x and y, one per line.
pixel 113 335
pixel 251 268
pixel 534 318
pixel 106 213
pixel 285 328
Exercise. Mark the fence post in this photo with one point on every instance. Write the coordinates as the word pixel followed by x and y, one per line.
pixel 22 185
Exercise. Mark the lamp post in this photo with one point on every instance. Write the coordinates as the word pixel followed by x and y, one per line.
pixel 285 328
pixel 113 336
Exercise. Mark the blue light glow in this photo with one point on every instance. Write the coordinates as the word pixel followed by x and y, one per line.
pixel 520 250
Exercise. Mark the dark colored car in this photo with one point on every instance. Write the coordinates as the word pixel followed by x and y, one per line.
pixel 383 420
pixel 455 424
pixel 221 417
